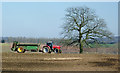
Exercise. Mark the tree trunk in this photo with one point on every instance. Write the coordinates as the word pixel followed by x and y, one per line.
pixel 80 43
pixel 81 47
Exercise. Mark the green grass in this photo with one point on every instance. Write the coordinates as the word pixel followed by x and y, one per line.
pixel 5 44
pixel 104 45
pixel 5 47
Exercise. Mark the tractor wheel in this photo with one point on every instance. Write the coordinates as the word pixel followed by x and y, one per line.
pixel 20 50
pixel 60 51
pixel 45 49
pixel 56 50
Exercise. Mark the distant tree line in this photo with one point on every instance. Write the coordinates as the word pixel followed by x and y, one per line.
pixel 56 41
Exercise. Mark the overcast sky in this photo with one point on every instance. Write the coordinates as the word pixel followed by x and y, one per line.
pixel 44 19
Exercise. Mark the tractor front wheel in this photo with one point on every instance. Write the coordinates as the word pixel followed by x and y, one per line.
pixel 20 50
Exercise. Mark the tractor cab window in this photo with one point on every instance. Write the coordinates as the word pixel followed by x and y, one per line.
pixel 50 44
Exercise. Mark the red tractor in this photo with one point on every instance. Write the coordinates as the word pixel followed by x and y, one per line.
pixel 49 47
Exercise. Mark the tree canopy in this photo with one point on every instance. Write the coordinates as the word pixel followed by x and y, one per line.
pixel 82 24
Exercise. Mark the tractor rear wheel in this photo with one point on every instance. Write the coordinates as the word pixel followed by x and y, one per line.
pixel 20 50
pixel 46 50
pixel 56 50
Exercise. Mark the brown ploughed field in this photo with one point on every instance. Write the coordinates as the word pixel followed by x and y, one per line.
pixel 36 61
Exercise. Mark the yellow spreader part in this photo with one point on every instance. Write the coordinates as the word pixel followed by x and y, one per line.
pixel 20 49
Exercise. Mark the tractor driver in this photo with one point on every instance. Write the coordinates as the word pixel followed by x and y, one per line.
pixel 50 43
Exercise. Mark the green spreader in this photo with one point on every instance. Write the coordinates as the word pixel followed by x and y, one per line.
pixel 21 48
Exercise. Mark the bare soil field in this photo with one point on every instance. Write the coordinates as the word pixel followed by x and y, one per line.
pixel 57 62
pixel 35 61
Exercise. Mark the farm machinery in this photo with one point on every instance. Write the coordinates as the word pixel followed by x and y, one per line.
pixel 48 48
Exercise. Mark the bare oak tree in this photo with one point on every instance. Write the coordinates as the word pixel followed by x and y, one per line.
pixel 82 24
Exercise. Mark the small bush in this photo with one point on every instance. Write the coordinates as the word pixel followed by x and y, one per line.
pixel 2 41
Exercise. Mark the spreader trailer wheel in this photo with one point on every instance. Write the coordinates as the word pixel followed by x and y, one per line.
pixel 20 50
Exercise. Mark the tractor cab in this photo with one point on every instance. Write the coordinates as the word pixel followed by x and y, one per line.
pixel 50 44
